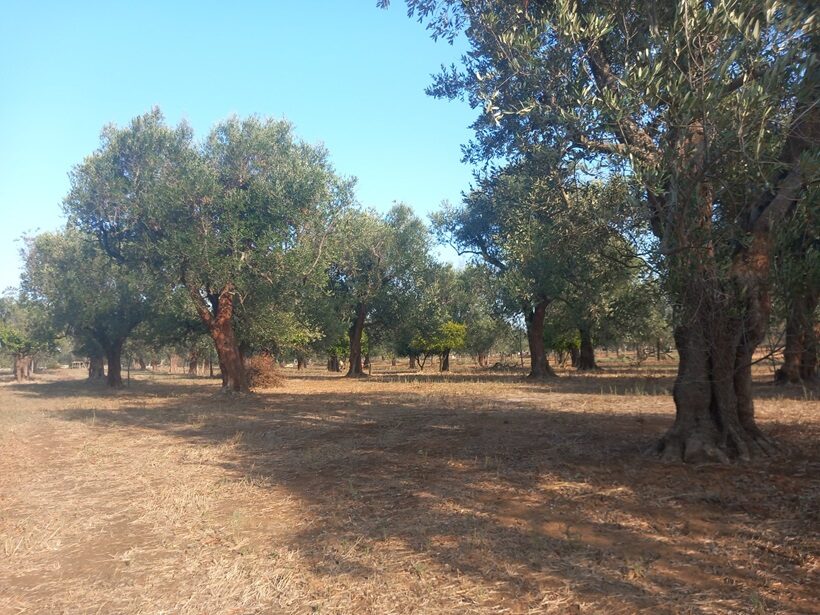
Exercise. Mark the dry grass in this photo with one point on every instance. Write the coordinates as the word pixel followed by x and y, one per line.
pixel 262 372
pixel 476 492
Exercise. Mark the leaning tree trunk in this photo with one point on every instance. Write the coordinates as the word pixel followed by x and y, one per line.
pixel 217 314
pixel 96 369
pixel 586 358
pixel 356 369
pixel 534 319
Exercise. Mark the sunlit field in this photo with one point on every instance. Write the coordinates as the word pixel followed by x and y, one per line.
pixel 472 492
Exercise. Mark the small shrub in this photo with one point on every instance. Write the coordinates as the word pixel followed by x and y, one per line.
pixel 262 373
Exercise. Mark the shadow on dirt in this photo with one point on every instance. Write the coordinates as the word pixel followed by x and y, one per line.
pixel 513 494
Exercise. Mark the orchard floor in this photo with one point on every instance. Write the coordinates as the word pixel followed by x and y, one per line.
pixel 478 492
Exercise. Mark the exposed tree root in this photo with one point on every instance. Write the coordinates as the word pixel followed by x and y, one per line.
pixel 702 447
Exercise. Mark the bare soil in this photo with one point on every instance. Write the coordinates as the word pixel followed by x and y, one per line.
pixel 476 492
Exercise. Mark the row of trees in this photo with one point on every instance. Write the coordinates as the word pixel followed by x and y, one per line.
pixel 251 239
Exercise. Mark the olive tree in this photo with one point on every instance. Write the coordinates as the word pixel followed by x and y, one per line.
pixel 244 211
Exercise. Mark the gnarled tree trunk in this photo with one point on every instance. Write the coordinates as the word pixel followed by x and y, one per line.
pixel 356 369
pixel 534 319
pixel 723 315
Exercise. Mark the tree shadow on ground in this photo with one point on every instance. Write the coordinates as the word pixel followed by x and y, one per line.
pixel 515 496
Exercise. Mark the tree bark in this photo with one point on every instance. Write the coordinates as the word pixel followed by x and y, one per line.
pixel 193 363
pixel 445 361
pixel 22 367
pixel 113 354
pixel 217 314
pixel 574 356
pixel 356 370
pixel 95 368
pixel 534 319
pixel 723 314
pixel 720 323
pixel 586 358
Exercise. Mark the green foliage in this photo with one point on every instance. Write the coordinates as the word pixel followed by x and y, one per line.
pixel 84 292
pixel 246 212
pixel 708 107
pixel 25 329
pixel 449 336
pixel 378 264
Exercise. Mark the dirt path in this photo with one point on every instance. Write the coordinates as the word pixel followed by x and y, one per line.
pixel 385 496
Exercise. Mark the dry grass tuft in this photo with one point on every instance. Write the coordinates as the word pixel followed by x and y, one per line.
pixel 263 373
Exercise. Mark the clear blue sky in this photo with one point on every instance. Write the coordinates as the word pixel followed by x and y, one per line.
pixel 344 72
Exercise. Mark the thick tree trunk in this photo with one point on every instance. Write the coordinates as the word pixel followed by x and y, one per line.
pixel 113 354
pixel 230 359
pixel 574 356
pixel 534 319
pixel 22 367
pixel 586 358
pixel 412 361
pixel 721 322
pixel 356 370
pixel 141 362
pixel 95 368
pixel 445 361
pixel 300 363
pixel 217 315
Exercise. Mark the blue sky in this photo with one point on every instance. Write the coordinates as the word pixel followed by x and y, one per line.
pixel 344 72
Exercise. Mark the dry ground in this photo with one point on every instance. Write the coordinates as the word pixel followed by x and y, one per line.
pixel 401 493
